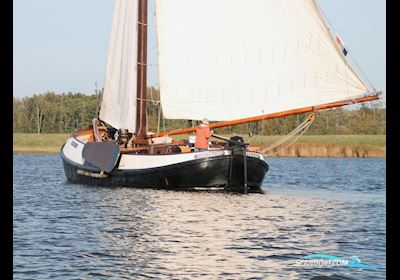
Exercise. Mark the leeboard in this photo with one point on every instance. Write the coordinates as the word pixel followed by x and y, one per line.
pixel 102 155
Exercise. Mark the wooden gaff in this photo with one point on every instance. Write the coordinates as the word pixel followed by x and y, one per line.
pixel 272 116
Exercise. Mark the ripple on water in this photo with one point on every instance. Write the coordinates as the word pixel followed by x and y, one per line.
pixel 332 206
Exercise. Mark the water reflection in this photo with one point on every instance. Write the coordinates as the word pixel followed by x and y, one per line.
pixel 80 232
pixel 157 233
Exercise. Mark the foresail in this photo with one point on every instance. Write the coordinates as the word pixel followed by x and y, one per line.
pixel 232 59
pixel 118 106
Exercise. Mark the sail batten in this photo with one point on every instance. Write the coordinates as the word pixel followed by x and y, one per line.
pixel 232 59
pixel 118 106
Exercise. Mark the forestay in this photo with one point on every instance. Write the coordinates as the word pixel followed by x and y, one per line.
pixel 118 107
pixel 232 59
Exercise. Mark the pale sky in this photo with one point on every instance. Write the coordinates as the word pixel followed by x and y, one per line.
pixel 61 45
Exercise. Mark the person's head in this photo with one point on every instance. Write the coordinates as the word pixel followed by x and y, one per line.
pixel 205 121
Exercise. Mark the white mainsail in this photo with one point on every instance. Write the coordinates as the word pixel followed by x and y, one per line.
pixel 118 106
pixel 232 59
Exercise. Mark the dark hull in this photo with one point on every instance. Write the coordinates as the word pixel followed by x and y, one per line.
pixel 221 172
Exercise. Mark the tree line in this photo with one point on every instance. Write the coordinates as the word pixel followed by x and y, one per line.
pixel 50 112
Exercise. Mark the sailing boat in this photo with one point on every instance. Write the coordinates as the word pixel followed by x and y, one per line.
pixel 231 61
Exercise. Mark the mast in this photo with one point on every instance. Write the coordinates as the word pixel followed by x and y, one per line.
pixel 276 115
pixel 142 71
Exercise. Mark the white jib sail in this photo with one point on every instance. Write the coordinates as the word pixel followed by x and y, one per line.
pixel 231 59
pixel 118 106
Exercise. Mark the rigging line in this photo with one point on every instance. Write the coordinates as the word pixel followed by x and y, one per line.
pixel 152 97
pixel 302 127
pixel 331 28
pixel 164 123
pixel 157 47
pixel 159 118
pixel 147 119
pixel 99 100
pixel 149 100
pixel 298 136
pixel 269 153
pixel 286 138
pixel 362 71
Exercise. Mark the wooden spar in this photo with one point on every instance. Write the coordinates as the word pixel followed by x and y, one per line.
pixel 274 115
pixel 141 72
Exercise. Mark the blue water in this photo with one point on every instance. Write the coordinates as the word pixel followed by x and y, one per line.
pixel 334 206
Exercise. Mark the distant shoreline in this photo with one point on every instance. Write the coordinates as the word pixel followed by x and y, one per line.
pixel 354 146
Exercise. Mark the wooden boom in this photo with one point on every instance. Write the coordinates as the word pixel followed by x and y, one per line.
pixel 274 115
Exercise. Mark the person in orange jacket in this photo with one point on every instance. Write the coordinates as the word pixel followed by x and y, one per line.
pixel 203 133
